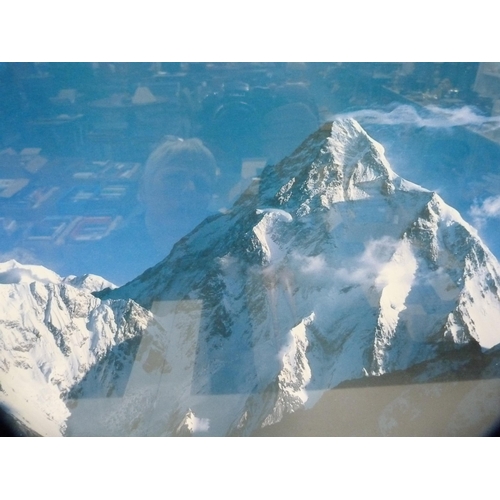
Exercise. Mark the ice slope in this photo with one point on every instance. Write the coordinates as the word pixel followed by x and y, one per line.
pixel 330 267
pixel 52 330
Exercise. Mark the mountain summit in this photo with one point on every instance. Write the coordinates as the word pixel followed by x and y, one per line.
pixel 329 268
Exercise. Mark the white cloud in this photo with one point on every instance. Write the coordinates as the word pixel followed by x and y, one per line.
pixel 365 268
pixel 431 116
pixel 20 255
pixel 488 209
pixel 201 424
pixel 312 265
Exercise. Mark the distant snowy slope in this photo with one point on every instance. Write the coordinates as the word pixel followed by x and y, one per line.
pixel 51 333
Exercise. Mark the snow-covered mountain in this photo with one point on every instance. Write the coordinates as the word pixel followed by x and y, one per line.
pixel 329 268
pixel 52 331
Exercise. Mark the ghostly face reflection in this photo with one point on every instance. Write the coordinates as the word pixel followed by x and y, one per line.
pixel 176 200
pixel 177 190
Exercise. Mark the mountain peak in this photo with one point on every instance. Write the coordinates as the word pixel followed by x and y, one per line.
pixel 339 162
pixel 12 272
pixel 330 268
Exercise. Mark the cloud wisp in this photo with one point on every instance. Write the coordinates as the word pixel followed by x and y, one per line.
pixel 488 209
pixel 430 116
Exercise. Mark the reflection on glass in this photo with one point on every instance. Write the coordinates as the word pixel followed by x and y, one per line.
pixel 297 249
pixel 178 189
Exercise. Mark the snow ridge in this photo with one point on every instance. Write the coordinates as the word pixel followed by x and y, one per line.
pixel 52 333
